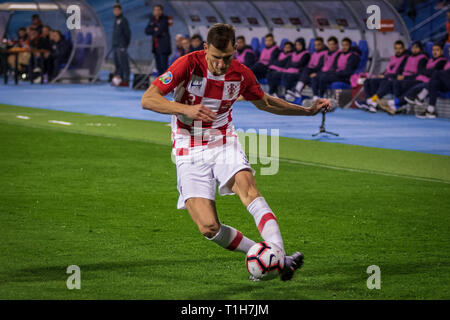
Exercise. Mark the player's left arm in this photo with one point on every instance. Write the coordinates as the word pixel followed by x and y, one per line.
pixel 253 92
pixel 282 107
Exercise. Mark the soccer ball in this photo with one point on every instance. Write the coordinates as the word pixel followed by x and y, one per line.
pixel 265 260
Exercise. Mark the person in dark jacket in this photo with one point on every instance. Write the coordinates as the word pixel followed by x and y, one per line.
pixel 120 42
pixel 158 28
pixel 277 66
pixel 315 65
pixel 268 55
pixel 60 52
pixel 406 90
pixel 298 62
pixel 344 66
pixel 196 42
pixel 376 88
pixel 244 53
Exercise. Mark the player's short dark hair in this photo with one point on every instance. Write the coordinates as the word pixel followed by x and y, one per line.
pixel 333 39
pixel 220 35
pixel 241 38
pixel 35 16
pixel 318 39
pixel 269 35
pixel 347 40
pixel 158 6
pixel 399 42
pixel 118 6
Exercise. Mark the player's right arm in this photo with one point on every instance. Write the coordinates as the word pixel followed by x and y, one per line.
pixel 153 99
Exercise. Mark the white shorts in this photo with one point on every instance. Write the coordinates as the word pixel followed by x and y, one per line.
pixel 203 169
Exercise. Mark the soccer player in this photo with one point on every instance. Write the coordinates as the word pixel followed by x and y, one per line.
pixel 205 144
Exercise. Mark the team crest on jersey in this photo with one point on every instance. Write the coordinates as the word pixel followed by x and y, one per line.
pixel 231 90
pixel 166 78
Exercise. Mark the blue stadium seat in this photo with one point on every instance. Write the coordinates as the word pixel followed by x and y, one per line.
pixel 255 44
pixel 446 50
pixel 68 35
pixel 340 85
pixel 429 48
pixel 262 44
pixel 263 81
pixel 311 45
pixel 283 42
pixel 79 52
pixel 364 47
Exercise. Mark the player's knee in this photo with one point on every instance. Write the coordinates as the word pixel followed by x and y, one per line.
pixel 209 230
pixel 250 194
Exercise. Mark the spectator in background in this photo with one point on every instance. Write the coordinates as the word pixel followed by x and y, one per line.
pixel 276 68
pixel 268 54
pixel 298 62
pixel 179 51
pixel 23 57
pixel 120 41
pixel 158 28
pixel 375 88
pixel 315 64
pixel 405 91
pixel 60 52
pixel 244 52
pixel 186 44
pixel 45 42
pixel 36 23
pixel 415 64
pixel 196 42
pixel 344 66
pixel 39 48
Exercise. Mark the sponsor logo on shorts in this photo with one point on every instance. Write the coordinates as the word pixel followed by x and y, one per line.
pixel 166 78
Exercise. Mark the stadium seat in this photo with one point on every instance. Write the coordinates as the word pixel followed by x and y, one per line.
pixel 255 44
pixel 446 50
pixel 445 95
pixel 364 47
pixel 68 35
pixel 429 48
pixel 311 45
pixel 262 44
pixel 340 85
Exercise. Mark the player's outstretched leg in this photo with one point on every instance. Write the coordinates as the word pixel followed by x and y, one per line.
pixel 244 185
pixel 203 212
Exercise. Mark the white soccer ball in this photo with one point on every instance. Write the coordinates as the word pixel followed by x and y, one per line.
pixel 265 260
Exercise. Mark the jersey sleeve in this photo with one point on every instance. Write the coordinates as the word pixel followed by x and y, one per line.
pixel 252 90
pixel 178 72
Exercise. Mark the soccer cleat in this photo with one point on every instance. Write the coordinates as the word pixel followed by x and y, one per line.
pixel 291 263
pixel 386 107
pixel 426 115
pixel 373 109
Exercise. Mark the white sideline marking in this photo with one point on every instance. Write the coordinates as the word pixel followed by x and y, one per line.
pixel 60 122
pixel 98 124
pixel 23 117
pixel 312 164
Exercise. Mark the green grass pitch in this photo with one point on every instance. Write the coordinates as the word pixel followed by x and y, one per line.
pixel 101 194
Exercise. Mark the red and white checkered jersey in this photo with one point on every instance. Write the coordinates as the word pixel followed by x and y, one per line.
pixel 195 84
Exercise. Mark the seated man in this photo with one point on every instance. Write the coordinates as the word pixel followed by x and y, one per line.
pixel 415 62
pixel 374 87
pixel 410 88
pixel 314 66
pixel 268 54
pixel 277 66
pixel 329 61
pixel 244 52
pixel 196 42
pixel 295 66
pixel 60 52
pixel 39 48
pixel 344 66
pixel 440 81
